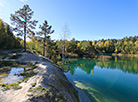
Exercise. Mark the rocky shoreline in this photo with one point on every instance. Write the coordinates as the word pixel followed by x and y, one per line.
pixel 48 85
pixel 127 55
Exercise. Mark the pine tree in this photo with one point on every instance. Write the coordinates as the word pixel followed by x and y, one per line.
pixel 23 23
pixel 45 31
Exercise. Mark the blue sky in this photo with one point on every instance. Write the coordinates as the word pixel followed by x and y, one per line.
pixel 87 19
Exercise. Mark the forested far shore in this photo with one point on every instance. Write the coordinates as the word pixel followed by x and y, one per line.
pixel 73 48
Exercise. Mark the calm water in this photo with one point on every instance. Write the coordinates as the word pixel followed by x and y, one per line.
pixel 105 80
pixel 11 75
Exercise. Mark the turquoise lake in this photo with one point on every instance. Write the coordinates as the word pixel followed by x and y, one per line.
pixel 105 80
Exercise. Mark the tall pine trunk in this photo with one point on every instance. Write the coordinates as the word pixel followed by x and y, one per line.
pixel 25 36
pixel 44 49
pixel 44 45
pixel 25 31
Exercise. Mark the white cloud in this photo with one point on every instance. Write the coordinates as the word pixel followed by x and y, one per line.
pixel 23 0
pixel 1 4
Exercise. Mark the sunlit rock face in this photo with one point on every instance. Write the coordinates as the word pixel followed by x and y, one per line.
pixel 56 86
pixel 59 84
pixel 48 85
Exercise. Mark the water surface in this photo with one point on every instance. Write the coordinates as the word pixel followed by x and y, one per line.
pixel 105 80
pixel 10 75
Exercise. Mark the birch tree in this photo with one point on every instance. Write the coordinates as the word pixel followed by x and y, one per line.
pixel 65 34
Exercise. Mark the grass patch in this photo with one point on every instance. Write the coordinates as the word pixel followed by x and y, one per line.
pixel 33 84
pixel 27 74
pixel 33 67
pixel 8 63
pixel 44 93
pixel 13 64
pixel 14 86
pixel 39 91
pixel 49 94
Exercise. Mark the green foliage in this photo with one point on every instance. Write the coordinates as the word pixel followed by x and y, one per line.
pixel 46 93
pixel 22 20
pixel 45 31
pixel 17 19
pixel 7 39
pixel 39 91
pixel 127 45
pixel 71 46
pixel 8 63
pixel 26 75
pixel 33 84
pixel 35 46
pixel 42 44
pixel 84 48
pixel 14 86
pixel 125 64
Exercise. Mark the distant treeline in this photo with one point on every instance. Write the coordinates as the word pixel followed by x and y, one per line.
pixel 7 38
pixel 127 45
pixel 73 48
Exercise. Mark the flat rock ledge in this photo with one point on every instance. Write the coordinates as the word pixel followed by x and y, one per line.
pixel 55 87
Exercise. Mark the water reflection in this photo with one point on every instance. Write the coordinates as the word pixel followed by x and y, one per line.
pixel 125 64
pixel 106 80
pixel 10 75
